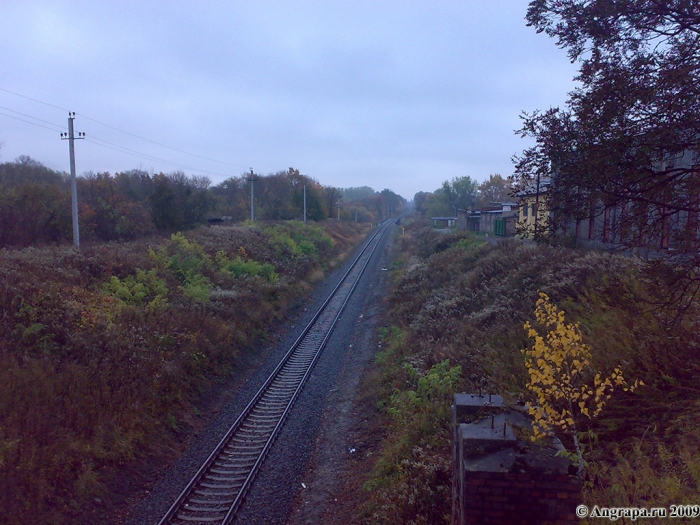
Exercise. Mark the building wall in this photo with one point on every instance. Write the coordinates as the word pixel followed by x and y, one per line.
pixel 520 498
pixel 603 227
pixel 526 217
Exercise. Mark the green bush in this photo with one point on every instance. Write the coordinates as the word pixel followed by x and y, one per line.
pixel 298 239
pixel 411 481
pixel 197 288
pixel 139 289
pixel 239 267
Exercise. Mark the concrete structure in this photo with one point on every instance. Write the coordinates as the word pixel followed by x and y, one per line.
pixel 444 222
pixel 500 479
pixel 499 218
pixel 468 220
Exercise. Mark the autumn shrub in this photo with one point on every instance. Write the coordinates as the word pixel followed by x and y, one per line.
pixel 466 301
pixel 413 471
pixel 562 383
pixel 105 353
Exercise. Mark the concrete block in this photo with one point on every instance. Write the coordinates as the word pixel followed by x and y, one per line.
pixel 467 405
pixel 488 435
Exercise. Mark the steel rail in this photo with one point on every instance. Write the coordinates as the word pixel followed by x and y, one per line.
pixel 216 491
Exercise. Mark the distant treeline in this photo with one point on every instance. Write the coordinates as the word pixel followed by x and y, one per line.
pixel 35 202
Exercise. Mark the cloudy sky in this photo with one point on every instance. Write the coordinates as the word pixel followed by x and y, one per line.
pixel 388 94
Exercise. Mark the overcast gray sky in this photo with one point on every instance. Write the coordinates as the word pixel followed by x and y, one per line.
pixel 388 94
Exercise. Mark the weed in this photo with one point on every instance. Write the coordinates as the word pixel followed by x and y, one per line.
pixel 106 352
pixel 465 302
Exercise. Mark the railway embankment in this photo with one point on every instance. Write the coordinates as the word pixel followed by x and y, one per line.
pixel 113 357
pixel 456 324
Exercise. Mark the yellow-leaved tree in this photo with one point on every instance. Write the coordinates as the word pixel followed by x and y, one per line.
pixel 564 385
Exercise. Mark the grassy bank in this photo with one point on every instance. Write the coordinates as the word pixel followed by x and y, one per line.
pixel 106 352
pixel 457 314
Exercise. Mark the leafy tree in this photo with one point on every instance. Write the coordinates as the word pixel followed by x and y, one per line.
pixel 278 196
pixel 34 204
pixel 178 201
pixel 232 198
pixel 107 212
pixel 391 203
pixel 419 201
pixel 315 208
pixel 333 196
pixel 25 170
pixel 561 380
pixel 437 204
pixel 357 193
pixel 136 185
pixel 35 213
pixel 628 135
pixel 460 192
pixel 495 189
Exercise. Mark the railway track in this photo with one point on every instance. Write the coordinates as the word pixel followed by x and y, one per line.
pixel 215 493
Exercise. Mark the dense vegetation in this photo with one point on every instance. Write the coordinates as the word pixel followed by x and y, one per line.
pixel 462 193
pixel 105 352
pixel 35 203
pixel 457 316
pixel 627 137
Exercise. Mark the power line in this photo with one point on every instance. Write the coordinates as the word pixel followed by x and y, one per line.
pixel 122 149
pixel 29 122
pixel 160 144
pixel 109 145
pixel 29 116
pixel 33 99
pixel 123 131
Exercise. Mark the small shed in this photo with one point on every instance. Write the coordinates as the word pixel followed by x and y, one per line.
pixel 443 222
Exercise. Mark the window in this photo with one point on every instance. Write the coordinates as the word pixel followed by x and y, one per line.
pixel 525 210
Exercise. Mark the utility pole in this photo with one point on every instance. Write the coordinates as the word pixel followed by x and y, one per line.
pixel 355 213
pixel 251 179
pixel 70 137
pixel 304 203
pixel 338 210
pixel 537 204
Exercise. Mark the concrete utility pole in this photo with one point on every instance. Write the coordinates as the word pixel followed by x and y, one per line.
pixel 304 203
pixel 338 210
pixel 537 204
pixel 251 179
pixel 70 137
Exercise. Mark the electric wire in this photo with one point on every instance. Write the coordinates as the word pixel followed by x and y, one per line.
pixel 29 122
pixel 160 144
pixel 33 99
pixel 29 116
pixel 132 152
pixel 106 144
pixel 109 145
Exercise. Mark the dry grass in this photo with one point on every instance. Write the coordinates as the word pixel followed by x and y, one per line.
pixel 465 302
pixel 106 352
